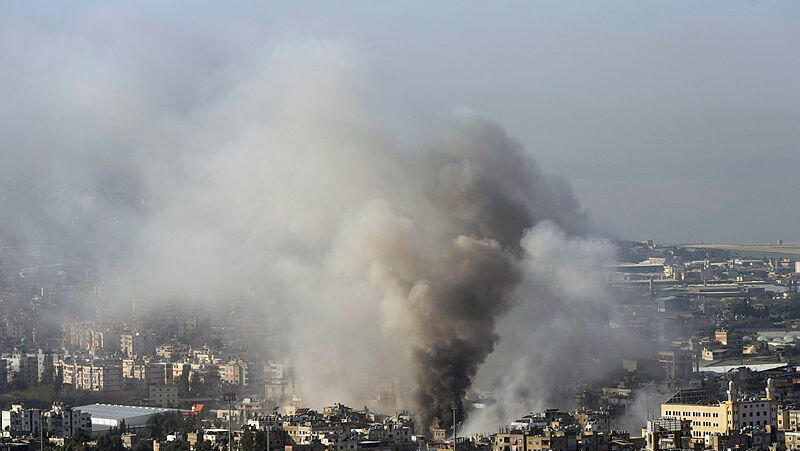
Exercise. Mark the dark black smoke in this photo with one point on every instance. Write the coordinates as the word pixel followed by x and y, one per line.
pixel 490 194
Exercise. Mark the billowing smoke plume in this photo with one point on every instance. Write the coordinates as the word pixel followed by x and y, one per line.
pixel 557 337
pixel 375 252
pixel 481 194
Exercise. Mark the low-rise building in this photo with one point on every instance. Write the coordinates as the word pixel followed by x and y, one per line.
pixel 668 433
pixel 163 395
pixel 106 416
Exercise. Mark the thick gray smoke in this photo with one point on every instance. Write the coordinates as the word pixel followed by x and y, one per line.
pixel 646 405
pixel 409 251
pixel 482 194
pixel 557 337
pixel 376 253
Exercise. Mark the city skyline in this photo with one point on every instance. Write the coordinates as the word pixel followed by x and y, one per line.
pixel 367 226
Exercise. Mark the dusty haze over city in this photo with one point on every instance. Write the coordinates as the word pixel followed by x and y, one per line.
pixel 428 191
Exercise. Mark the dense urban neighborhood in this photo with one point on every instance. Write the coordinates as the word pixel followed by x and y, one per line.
pixel 716 335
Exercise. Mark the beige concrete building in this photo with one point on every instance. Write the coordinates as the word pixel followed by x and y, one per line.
pixel 788 419
pixel 678 364
pixel 137 344
pixel 163 395
pixel 791 440
pixel 146 373
pixel 91 376
pixel 526 441
pixel 300 433
pixel 714 353
pixel 234 373
pixel 709 417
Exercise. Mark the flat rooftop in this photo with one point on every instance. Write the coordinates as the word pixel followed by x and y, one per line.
pixel 119 412
pixel 106 416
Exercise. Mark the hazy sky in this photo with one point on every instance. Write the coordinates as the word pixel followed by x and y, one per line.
pixel 676 121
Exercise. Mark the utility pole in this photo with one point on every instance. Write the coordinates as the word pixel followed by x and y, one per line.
pixel 230 397
pixel 41 433
pixel 455 435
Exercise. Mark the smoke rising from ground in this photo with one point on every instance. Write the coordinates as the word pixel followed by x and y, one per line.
pixel 646 405
pixel 412 254
pixel 557 336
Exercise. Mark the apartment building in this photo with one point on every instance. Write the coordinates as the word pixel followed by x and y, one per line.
pixel 791 440
pixel 64 421
pixel 788 419
pixel 234 373
pixel 709 417
pixel 20 421
pixel 137 344
pixel 518 440
pixel 92 376
pixel 146 373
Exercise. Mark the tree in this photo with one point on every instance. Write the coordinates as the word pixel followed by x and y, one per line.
pixel 183 384
pixel 110 442
pixel 48 376
pixel 162 424
pixel 247 441
pixel 143 445
pixel 78 440
pixel 176 445
pixel 197 386
pixel 58 381
pixel 740 306
pixel 155 426
pixel 761 346
pixel 17 382
pixel 261 440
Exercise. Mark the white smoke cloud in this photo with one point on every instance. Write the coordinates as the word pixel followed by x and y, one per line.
pixel 646 405
pixel 376 252
pixel 372 250
pixel 557 336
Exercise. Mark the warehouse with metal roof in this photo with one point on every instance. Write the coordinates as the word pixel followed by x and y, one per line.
pixel 106 416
